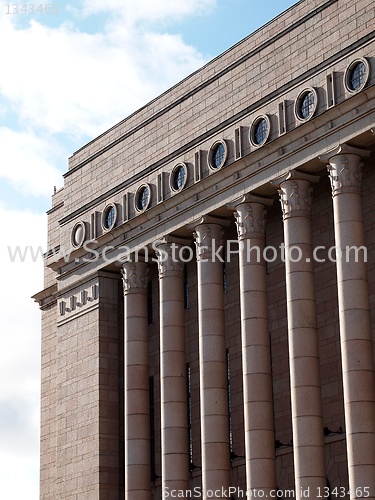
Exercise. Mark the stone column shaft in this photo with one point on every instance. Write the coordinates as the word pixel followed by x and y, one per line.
pixel 307 413
pixel 136 383
pixel 256 354
pixel 212 357
pixel 355 327
pixel 174 420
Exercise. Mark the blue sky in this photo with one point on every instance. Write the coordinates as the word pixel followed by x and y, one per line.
pixel 65 78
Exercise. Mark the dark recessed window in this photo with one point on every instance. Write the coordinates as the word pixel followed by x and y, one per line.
pixel 357 76
pixel 109 217
pixel 179 177
pixel 142 198
pixel 229 408
pixel 260 131
pixel 192 466
pixel 186 288
pixel 217 155
pixel 154 476
pixel 306 105
pixel 150 319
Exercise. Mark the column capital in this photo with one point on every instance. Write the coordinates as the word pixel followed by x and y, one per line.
pixel 167 251
pixel 344 149
pixel 208 240
pixel 207 219
pixel 296 175
pixel 250 220
pixel 345 174
pixel 345 168
pixel 134 277
pixel 249 198
pixel 296 193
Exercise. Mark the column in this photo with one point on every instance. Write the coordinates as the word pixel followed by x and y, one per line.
pixel 136 383
pixel 174 420
pixel 256 355
pixel 212 358
pixel 354 317
pixel 307 420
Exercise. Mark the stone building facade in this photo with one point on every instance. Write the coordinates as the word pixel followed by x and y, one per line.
pixel 210 280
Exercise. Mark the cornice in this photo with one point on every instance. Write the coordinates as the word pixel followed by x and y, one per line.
pixel 56 207
pixel 46 297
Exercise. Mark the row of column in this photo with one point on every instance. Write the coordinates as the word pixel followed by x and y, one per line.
pixel 307 418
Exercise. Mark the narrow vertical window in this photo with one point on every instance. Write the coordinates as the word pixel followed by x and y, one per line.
pixel 186 288
pixel 149 303
pixel 331 97
pixel 189 416
pixel 232 455
pixel 282 118
pixel 224 271
pixel 197 166
pixel 238 142
pixel 152 430
pixel 93 226
pixel 160 188
pixel 125 205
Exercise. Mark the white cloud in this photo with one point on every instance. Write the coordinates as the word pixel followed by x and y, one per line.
pixel 18 477
pixel 81 84
pixel 20 357
pixel 27 162
pixel 132 11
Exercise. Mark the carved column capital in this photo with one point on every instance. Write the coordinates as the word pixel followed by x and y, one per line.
pixel 134 277
pixel 250 220
pixel 345 168
pixel 295 198
pixel 168 256
pixel 208 239
pixel 345 173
